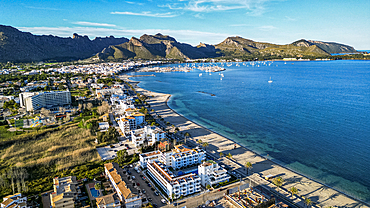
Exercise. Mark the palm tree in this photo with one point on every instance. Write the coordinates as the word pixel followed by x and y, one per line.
pixel 278 182
pixel 205 145
pixel 221 154
pixel 308 202
pixel 199 141
pixel 293 190
pixel 248 165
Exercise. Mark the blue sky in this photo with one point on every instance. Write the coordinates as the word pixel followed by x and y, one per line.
pixel 194 21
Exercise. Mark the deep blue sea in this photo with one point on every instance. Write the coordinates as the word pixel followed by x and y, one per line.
pixel 314 117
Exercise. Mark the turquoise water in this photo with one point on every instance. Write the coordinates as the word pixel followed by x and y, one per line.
pixel 313 117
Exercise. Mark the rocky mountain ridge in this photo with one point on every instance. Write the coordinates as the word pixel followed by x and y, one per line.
pixel 20 46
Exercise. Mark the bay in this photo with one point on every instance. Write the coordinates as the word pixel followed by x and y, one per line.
pixel 313 117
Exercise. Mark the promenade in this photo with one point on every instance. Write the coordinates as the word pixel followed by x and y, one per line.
pixel 321 195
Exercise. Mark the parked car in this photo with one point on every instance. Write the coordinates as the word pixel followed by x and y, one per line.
pixel 149 185
pixel 163 201
pixel 156 193
pixel 133 178
pixel 150 199
pixel 138 184
pixel 144 191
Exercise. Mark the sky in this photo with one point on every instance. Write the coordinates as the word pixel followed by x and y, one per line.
pixel 195 21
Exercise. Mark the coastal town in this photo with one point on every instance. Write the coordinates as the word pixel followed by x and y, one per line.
pixel 129 148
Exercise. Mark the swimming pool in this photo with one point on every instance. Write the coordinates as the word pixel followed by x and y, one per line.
pixel 95 193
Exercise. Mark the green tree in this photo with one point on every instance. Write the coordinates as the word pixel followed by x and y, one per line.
pixel 221 154
pixel 248 166
pixel 97 186
pixel 208 186
pixel 121 156
pixel 293 190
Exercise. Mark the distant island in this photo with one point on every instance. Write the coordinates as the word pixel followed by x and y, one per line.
pixel 18 46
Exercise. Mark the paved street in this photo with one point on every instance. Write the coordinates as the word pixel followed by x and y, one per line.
pixel 149 193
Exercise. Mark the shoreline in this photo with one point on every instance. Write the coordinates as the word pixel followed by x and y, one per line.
pixel 308 187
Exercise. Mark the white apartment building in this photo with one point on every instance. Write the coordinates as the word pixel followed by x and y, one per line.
pixel 45 100
pixel 177 158
pixel 211 173
pixel 149 156
pixel 128 123
pixel 178 185
pixel 149 133
pixel 182 156
pixel 14 201
pixel 114 173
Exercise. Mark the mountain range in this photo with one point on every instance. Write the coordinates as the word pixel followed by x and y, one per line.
pixel 17 46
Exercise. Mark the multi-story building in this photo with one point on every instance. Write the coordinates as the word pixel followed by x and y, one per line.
pixel 211 173
pixel 182 156
pixel 65 192
pixel 115 175
pixel 108 201
pixel 126 124
pixel 172 185
pixel 49 100
pixel 149 156
pixel 150 134
pixel 14 201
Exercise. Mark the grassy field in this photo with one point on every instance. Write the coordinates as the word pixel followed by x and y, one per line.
pixel 64 148
pixel 45 154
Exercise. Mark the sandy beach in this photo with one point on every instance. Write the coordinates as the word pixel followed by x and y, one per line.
pixel 321 195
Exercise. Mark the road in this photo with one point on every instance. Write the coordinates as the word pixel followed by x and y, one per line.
pixel 149 193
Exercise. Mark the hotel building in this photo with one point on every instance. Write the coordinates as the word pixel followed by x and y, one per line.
pixel 178 185
pixel 36 101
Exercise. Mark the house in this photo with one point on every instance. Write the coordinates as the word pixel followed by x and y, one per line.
pixel 123 190
pixel 103 126
pixel 14 201
pixel 65 192
pixel 211 173
pixel 108 201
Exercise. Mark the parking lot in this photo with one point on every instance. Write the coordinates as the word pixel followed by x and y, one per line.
pixel 149 189
pixel 110 151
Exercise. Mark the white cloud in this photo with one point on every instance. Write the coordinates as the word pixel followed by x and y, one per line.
pixel 42 8
pixel 94 24
pixel 267 28
pixel 185 36
pixel 253 7
pixel 131 2
pixel 147 14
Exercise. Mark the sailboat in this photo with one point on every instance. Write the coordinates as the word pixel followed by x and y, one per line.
pixel 270 81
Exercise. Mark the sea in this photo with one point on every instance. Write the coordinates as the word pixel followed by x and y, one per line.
pixel 314 117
